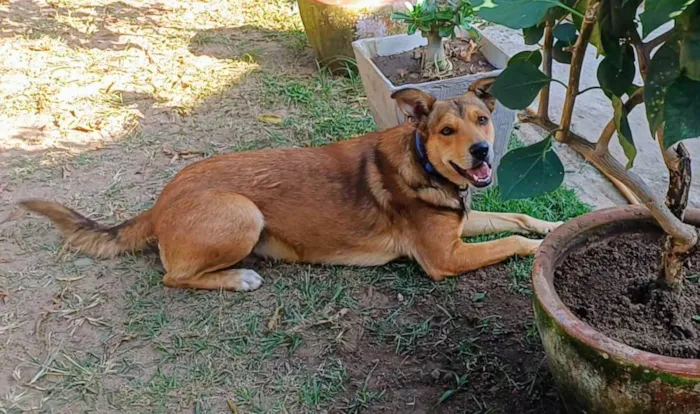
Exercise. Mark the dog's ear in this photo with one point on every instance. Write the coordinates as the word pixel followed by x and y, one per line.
pixel 481 90
pixel 414 103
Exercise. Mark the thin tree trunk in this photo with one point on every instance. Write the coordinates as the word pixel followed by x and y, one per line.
pixel 435 54
pixel 543 105
pixel 679 180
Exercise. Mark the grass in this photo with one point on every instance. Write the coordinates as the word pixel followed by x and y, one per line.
pixel 107 88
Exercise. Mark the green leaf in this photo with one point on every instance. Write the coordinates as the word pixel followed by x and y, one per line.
pixel 561 55
pixel 632 89
pixel 690 55
pixel 696 318
pixel 446 31
pixel 563 9
pixel 400 16
pixel 516 14
pixel 479 297
pixel 624 132
pixel 530 171
pixel 566 33
pixel 531 56
pixel 615 20
pixel 445 15
pixel 533 34
pixel 412 28
pixel 446 396
pixel 663 70
pixel 473 33
pixel 658 12
pixel 681 109
pixel 518 85
pixel 620 17
pixel 616 77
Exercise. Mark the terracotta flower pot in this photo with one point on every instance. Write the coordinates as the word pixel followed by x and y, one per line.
pixel 594 373
pixel 332 25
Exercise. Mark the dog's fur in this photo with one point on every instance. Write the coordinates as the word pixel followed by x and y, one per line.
pixel 364 201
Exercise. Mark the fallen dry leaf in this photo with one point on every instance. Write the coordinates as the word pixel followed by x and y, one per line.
pixel 184 154
pixel 83 128
pixel 270 118
pixel 275 319
pixel 232 406
pixel 67 170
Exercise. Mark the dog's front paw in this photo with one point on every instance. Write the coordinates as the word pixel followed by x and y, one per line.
pixel 544 227
pixel 528 247
pixel 550 228
pixel 250 280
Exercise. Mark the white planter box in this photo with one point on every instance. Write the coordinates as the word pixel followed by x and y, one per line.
pixel 384 110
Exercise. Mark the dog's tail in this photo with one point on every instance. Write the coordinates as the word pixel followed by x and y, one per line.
pixel 89 237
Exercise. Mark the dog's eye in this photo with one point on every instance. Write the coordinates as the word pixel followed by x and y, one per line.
pixel 447 131
pixel 482 120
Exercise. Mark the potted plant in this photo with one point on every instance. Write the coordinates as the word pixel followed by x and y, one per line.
pixel 616 293
pixel 425 59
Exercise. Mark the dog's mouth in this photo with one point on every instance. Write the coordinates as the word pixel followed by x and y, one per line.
pixel 479 176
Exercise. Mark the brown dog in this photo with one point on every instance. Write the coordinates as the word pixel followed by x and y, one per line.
pixel 364 201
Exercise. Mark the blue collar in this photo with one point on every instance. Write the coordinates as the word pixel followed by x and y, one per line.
pixel 422 156
pixel 464 193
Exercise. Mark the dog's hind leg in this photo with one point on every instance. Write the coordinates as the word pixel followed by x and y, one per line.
pixel 481 223
pixel 202 236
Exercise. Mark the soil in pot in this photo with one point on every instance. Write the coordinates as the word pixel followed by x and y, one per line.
pixel 405 67
pixel 611 284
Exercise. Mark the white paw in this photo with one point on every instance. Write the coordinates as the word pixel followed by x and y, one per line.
pixel 529 246
pixel 553 226
pixel 250 280
pixel 546 227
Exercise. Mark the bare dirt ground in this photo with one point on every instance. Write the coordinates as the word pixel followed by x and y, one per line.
pixel 102 103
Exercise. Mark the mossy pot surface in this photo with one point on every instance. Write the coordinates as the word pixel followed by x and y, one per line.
pixel 332 25
pixel 595 373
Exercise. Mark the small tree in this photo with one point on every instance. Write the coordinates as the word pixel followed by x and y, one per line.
pixel 436 20
pixel 670 69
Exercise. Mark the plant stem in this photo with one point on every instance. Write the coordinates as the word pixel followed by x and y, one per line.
pixel 642 52
pixel 685 234
pixel 590 88
pixel 575 72
pixel 435 54
pixel 674 250
pixel 550 126
pixel 543 105
pixel 679 180
pixel 657 41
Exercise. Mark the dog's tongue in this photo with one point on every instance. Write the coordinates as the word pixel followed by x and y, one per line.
pixel 481 172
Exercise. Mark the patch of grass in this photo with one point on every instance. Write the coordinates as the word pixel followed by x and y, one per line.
pixel 364 397
pixel 326 108
pixel 323 385
pixel 560 205
pixel 134 74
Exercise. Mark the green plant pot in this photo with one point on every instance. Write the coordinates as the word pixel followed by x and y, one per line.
pixel 332 25
pixel 594 373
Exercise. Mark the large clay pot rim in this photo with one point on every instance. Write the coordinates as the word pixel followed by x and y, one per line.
pixel 543 286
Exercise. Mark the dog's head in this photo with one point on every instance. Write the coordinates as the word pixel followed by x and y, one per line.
pixel 458 133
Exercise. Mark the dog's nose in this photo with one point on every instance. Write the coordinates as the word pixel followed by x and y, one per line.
pixel 480 151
